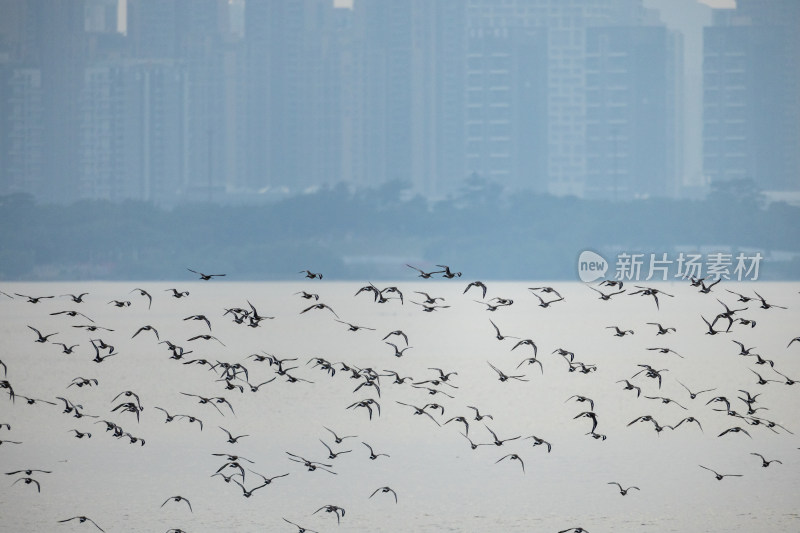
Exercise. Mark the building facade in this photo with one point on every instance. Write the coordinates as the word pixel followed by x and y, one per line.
pixel 751 100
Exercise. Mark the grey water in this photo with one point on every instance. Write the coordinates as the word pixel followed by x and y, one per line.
pixel 442 484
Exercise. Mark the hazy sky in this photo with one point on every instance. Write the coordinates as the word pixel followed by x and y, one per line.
pixel 719 3
pixel 711 3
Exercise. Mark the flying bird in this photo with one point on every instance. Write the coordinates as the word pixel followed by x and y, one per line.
pixel 177 294
pixel 178 499
pixel 649 291
pixel 28 481
pixel 448 273
pixel 231 438
pixel 205 338
pixel 661 329
pixel 147 328
pixel 513 457
pixel 332 509
pixel 497 441
pixel 319 306
pixel 505 377
pixel 300 529
pixel 423 274
pixel 143 292
pixel 622 491
pixel 204 277
pixel 605 296
pixel 499 336
pixel 478 284
pixel 71 313
pixel 41 338
pixel 372 454
pixel 33 299
pixel 199 317
pixel 384 490
pixel 620 332
pixel 76 298
pixel 81 520
pixel 718 475
pixel 764 462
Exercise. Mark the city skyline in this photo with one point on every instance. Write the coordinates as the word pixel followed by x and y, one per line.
pixel 599 99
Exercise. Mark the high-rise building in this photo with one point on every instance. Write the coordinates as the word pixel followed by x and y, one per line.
pixel 292 77
pixel 193 37
pixel 61 46
pixel 405 105
pixel 203 98
pixel 751 100
pixel 566 22
pixel 20 101
pixel 506 106
pixel 21 124
pixel 632 109
pixel 132 137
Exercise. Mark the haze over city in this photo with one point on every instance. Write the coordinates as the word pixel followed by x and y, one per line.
pixel 422 107
pixel 399 265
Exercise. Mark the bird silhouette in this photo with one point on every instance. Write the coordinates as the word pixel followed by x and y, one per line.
pixel 319 306
pixel 764 462
pixel 622 491
pixel 146 294
pixel 718 475
pixel 28 481
pixel 338 511
pixel 384 490
pixel 372 454
pixel 204 277
pixel 423 274
pixel 513 457
pixel 300 529
pixel 178 499
pixel 505 377
pixel 41 338
pixel 81 520
pixel 605 296
pixel 479 284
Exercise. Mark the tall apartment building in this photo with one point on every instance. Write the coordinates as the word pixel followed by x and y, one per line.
pixel 21 125
pixel 566 23
pixel 133 131
pixel 61 55
pixel 751 107
pixel 632 112
pixel 292 76
pixel 506 106
pixel 192 38
pixel 203 99
pixel 404 100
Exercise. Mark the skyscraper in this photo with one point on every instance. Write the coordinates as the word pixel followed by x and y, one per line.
pixel 62 46
pixel 632 106
pixel 566 22
pixel 751 109
pixel 406 105
pixel 506 106
pixel 292 132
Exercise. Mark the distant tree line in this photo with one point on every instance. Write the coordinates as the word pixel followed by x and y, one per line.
pixel 371 234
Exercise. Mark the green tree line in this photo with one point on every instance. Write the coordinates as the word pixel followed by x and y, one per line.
pixel 371 234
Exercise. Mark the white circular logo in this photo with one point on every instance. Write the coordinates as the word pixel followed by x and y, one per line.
pixel 591 266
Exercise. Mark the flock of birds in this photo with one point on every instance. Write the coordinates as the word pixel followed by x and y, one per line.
pixel 743 412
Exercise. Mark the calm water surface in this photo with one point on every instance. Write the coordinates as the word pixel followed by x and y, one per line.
pixel 442 484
